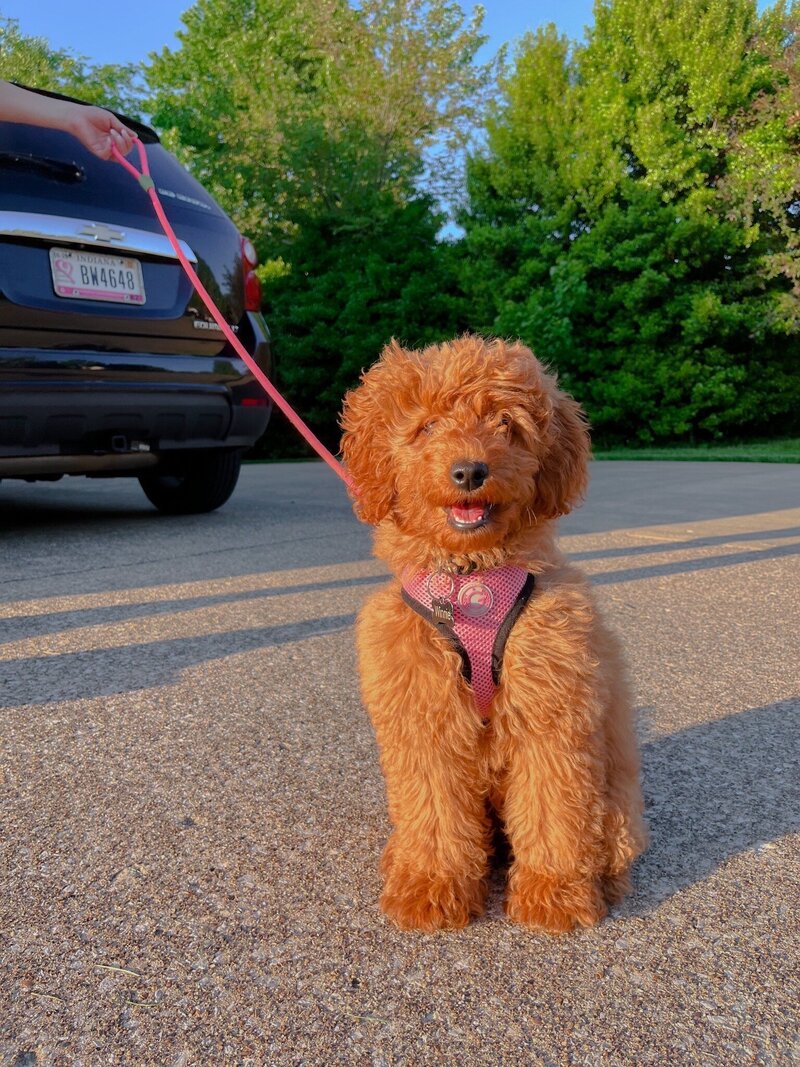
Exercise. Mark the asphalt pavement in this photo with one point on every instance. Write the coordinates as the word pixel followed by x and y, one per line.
pixel 192 812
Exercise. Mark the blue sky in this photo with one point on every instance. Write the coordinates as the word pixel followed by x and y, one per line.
pixel 96 29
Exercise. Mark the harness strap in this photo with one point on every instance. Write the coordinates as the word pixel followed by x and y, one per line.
pixel 446 631
pixel 507 625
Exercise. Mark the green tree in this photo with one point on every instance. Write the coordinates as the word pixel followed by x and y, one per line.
pixel 31 61
pixel 311 121
pixel 633 215
pixel 655 339
pixel 280 105
pixel 349 292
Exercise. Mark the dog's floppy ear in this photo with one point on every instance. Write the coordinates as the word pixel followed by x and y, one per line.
pixel 563 475
pixel 365 441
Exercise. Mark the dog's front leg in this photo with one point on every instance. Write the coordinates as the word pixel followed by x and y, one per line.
pixel 435 862
pixel 430 740
pixel 553 804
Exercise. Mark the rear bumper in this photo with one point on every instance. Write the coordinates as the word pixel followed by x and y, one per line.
pixel 72 402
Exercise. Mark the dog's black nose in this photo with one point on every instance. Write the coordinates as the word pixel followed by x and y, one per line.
pixel 466 474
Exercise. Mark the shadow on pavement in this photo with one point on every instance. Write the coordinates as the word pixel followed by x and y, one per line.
pixel 630 494
pixel 102 672
pixel 713 791
pixel 653 547
pixel 689 566
pixel 21 627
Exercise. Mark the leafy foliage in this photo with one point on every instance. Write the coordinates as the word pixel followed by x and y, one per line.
pixel 31 61
pixel 656 322
pixel 348 292
pixel 633 212
pixel 634 216
pixel 283 105
pixel 310 120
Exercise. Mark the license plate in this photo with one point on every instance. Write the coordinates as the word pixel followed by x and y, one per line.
pixel 93 276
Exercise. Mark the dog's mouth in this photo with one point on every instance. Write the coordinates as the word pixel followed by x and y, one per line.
pixel 470 516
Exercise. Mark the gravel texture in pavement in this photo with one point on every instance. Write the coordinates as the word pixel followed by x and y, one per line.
pixel 193 812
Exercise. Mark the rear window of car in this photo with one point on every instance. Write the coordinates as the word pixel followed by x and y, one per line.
pixel 50 171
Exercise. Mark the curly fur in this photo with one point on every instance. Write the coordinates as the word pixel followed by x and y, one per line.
pixel 557 763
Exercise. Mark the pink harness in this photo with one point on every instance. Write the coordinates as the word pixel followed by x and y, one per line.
pixel 476 613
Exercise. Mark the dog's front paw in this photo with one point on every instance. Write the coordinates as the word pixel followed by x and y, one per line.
pixel 552 903
pixel 416 900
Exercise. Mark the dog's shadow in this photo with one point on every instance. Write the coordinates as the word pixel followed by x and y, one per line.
pixel 712 791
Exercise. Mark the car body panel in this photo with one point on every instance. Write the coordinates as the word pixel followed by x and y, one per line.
pixel 97 376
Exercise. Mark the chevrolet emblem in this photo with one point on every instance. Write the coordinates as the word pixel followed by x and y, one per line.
pixel 98 231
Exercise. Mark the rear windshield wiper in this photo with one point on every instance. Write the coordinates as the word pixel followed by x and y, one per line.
pixel 55 169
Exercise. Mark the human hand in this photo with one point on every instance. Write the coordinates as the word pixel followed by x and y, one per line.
pixel 97 130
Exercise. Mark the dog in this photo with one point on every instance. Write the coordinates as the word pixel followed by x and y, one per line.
pixel 496 692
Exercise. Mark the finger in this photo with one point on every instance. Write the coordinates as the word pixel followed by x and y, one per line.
pixel 114 141
pixel 123 138
pixel 122 143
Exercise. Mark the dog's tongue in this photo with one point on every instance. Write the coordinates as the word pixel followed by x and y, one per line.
pixel 468 513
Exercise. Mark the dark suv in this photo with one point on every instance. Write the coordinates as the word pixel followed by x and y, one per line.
pixel 109 363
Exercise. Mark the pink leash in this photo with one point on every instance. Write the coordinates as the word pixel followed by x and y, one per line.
pixel 146 182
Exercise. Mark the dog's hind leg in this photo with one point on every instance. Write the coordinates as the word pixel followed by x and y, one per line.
pixel 624 828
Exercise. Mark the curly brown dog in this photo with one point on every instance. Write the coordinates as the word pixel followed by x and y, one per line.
pixel 495 690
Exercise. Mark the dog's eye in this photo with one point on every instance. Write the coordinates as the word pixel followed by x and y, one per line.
pixel 428 427
pixel 504 421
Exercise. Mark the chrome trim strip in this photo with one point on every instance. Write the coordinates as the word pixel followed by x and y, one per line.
pixel 60 229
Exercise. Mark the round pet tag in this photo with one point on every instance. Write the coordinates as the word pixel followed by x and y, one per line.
pixel 475 599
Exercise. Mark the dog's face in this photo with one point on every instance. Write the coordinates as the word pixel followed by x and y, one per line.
pixel 464 444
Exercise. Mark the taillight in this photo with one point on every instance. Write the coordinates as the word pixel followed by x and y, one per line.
pixel 252 285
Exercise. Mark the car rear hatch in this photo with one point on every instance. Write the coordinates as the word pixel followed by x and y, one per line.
pixel 81 247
